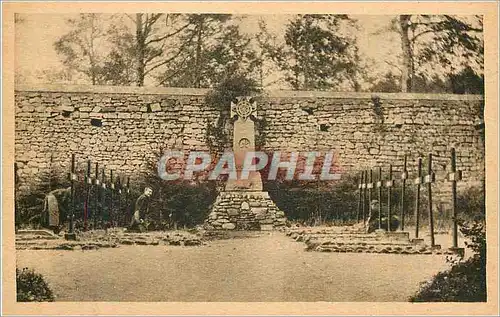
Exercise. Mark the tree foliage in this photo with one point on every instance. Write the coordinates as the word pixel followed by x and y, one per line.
pixel 466 280
pixel 439 53
pixel 210 50
pixel 315 55
pixel 80 48
pixel 450 44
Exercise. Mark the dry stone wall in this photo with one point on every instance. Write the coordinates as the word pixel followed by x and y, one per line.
pixel 371 130
pixel 123 128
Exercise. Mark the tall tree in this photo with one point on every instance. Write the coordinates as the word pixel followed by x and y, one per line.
pixel 316 55
pixel 447 42
pixel 139 50
pixel 209 50
pixel 407 71
pixel 80 48
pixel 150 43
pixel 119 49
pixel 268 50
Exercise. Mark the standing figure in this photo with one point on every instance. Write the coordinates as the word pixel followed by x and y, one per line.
pixel 56 209
pixel 141 211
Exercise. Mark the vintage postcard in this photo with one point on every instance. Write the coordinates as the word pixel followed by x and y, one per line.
pixel 244 158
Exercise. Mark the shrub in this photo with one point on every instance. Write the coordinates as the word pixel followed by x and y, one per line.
pixel 30 203
pixel 237 85
pixel 466 280
pixel 31 287
pixel 183 202
pixel 471 204
pixel 313 202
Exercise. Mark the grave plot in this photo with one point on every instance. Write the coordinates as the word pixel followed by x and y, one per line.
pixel 375 232
pixel 352 239
pixel 92 240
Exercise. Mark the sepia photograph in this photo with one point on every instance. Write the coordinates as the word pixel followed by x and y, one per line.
pixel 184 156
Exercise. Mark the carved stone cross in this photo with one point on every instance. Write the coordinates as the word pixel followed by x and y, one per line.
pixel 244 141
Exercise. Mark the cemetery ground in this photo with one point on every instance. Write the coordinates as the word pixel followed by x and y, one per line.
pixel 242 266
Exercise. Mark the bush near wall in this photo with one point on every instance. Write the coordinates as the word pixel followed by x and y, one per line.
pixel 471 204
pixel 30 202
pixel 181 202
pixel 315 201
pixel 466 280
pixel 32 287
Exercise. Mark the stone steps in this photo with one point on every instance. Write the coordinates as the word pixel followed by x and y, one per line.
pixel 362 243
pixel 363 237
pixel 95 240
pixel 35 232
pixel 70 245
pixel 387 249
pixel 346 240
pixel 323 231
pixel 35 237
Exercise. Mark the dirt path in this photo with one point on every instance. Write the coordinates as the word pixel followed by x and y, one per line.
pixel 271 267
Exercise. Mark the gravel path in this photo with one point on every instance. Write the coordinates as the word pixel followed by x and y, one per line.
pixel 270 267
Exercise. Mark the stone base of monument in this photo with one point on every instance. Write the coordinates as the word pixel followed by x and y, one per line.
pixel 245 210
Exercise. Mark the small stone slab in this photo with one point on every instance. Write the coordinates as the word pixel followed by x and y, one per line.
pixel 90 247
pixel 64 247
pixel 266 227
pixel 26 237
pixel 192 242
pixel 417 241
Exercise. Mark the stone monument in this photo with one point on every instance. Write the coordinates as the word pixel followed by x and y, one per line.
pixel 243 205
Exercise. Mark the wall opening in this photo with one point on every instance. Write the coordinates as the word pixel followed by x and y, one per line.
pixel 96 122
pixel 309 111
pixel 323 127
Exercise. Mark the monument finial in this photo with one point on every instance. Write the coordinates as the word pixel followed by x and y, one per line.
pixel 243 108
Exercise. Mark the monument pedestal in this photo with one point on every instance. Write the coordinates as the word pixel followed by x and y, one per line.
pixel 244 210
pixel 243 205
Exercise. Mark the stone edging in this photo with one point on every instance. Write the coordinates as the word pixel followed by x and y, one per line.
pixel 174 91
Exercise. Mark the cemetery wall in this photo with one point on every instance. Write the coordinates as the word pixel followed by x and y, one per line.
pixel 123 128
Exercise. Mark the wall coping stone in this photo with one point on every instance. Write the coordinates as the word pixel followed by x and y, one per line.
pixel 175 91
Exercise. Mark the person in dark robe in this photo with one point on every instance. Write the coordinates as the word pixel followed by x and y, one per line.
pixel 373 219
pixel 141 211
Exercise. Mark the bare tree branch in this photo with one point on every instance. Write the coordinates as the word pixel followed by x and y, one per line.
pixel 179 51
pixel 166 36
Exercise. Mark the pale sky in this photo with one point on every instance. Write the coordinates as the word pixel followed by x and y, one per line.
pixel 34 50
